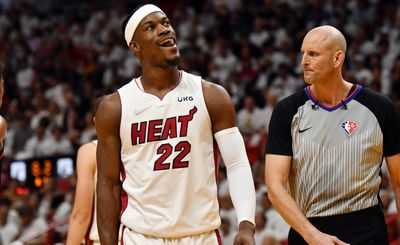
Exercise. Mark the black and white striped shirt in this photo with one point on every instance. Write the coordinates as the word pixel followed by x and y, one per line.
pixel 336 151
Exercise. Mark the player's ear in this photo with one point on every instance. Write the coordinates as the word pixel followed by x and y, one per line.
pixel 134 46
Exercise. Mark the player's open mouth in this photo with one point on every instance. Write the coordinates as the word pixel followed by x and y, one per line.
pixel 168 42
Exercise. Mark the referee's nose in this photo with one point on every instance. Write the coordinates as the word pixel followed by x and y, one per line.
pixel 305 61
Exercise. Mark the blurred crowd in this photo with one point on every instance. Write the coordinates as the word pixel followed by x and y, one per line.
pixel 60 56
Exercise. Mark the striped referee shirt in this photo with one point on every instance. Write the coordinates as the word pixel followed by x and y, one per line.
pixel 336 151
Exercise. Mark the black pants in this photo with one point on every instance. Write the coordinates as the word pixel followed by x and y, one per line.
pixel 364 227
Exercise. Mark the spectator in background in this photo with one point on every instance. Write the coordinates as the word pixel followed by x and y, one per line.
pixel 31 225
pixel 249 118
pixel 61 213
pixel 35 146
pixel 22 133
pixel 11 191
pixel 24 75
pixel 54 112
pixel 89 130
pixel 395 80
pixel 57 143
pixel 250 122
pixel 225 63
pixel 55 93
pixel 8 229
pixel 261 233
pixel 226 231
pixel 259 35
pixel 276 227
pixel 270 100
pixel 73 125
pixel 35 199
pixel 50 193
pixel 284 84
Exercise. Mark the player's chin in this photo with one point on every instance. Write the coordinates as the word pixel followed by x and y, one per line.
pixel 173 61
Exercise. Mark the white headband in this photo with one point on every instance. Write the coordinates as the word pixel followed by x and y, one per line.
pixel 136 18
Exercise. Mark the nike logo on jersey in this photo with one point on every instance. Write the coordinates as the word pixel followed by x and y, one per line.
pixel 303 130
pixel 185 98
pixel 138 112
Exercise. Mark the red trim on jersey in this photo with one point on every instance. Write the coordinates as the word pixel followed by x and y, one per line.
pixel 124 197
pixel 215 149
pixel 218 237
pixel 89 242
pixel 122 235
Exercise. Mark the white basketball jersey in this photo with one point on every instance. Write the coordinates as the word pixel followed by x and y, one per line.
pixel 93 233
pixel 169 167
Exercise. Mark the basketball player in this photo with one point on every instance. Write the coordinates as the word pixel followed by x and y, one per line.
pixel 159 132
pixel 3 122
pixel 326 145
pixel 82 223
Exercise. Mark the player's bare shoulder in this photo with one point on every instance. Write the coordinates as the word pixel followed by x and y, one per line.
pixel 219 105
pixel 215 93
pixel 110 100
pixel 109 111
pixel 88 149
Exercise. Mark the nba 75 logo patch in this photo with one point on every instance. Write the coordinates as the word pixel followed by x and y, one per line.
pixel 349 127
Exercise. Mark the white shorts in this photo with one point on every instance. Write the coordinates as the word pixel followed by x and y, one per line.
pixel 130 237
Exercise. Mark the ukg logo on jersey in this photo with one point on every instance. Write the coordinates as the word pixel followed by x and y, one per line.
pixel 185 98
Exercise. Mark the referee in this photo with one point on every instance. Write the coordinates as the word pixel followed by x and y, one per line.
pixel 325 150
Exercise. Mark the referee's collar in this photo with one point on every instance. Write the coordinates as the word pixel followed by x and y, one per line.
pixel 353 92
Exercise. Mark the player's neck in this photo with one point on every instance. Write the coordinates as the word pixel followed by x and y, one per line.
pixel 160 79
pixel 331 94
pixel 159 82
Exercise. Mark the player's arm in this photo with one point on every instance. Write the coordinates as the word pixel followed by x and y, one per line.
pixel 108 188
pixel 277 168
pixel 3 122
pixel 3 132
pixel 393 164
pixel 82 211
pixel 231 146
